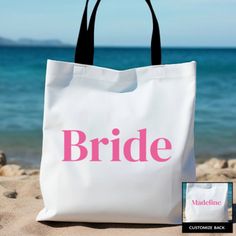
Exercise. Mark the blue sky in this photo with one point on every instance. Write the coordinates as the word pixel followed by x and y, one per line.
pixel 123 22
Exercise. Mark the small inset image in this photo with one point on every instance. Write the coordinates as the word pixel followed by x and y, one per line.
pixel 205 203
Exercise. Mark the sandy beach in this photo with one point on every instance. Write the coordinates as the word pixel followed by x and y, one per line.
pixel 21 200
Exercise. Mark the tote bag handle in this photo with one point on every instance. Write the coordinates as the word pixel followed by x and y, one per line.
pixel 84 53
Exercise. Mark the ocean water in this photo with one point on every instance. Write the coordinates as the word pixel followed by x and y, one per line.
pixel 22 76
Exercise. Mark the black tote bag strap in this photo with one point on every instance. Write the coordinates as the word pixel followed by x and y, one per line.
pixel 82 42
pixel 84 53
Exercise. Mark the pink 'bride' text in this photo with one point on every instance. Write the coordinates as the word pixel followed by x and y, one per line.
pixel 157 148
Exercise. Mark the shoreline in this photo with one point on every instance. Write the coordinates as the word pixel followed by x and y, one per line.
pixel 21 200
pixel 32 162
pixel 212 165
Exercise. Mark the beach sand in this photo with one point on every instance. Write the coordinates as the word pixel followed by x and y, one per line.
pixel 21 200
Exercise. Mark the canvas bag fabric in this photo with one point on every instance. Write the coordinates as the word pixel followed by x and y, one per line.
pixel 94 100
pixel 207 213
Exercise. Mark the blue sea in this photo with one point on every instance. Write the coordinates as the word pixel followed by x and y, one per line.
pixel 22 75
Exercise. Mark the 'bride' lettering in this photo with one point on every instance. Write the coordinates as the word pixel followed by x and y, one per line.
pixel 157 148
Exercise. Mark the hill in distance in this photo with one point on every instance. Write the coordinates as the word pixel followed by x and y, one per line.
pixel 32 42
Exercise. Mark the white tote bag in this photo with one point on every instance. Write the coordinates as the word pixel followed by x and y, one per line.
pixel 116 144
pixel 206 202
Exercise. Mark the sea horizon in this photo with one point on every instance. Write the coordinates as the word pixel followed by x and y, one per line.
pixel 120 46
